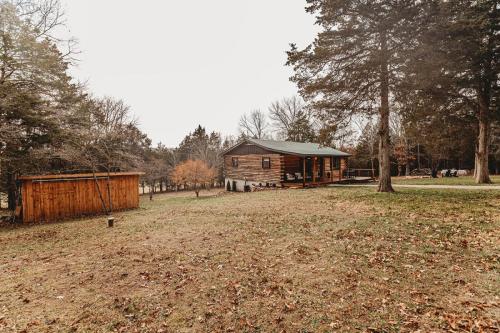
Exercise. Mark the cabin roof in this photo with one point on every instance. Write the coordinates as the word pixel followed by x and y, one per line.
pixel 294 148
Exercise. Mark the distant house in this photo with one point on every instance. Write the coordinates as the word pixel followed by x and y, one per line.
pixel 255 162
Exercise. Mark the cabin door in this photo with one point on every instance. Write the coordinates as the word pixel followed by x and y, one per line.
pixel 320 164
pixel 309 168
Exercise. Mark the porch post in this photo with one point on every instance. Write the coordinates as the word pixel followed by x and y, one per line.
pixel 340 169
pixel 304 172
pixel 314 170
pixel 331 168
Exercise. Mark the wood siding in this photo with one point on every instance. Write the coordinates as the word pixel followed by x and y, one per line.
pixel 338 174
pixel 58 198
pixel 250 167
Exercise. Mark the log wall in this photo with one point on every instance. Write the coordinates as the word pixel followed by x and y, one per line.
pixel 250 167
pixel 54 198
pixel 337 174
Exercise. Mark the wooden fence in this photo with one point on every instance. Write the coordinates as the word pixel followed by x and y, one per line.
pixel 58 197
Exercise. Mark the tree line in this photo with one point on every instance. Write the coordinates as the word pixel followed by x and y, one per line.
pixel 173 168
pixel 444 141
pixel 399 84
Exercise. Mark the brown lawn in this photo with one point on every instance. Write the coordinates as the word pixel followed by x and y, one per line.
pixel 323 260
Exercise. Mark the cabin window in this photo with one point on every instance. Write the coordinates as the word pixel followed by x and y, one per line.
pixel 266 163
pixel 234 162
pixel 336 163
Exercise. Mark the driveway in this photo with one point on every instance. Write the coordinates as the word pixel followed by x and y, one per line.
pixel 432 187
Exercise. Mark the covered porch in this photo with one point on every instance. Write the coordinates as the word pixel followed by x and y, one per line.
pixel 311 171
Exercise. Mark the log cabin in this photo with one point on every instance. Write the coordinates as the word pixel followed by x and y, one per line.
pixel 270 163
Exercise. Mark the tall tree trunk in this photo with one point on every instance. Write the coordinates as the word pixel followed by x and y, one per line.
pixel 384 184
pixel 108 185
pixel 482 172
pixel 418 156
pixel 475 162
pixel 96 182
pixel 408 153
pixel 11 191
pixel 373 167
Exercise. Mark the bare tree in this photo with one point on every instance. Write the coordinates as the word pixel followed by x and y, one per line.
pixel 401 143
pixel 48 20
pixel 44 16
pixel 292 120
pixel 368 130
pixel 286 112
pixel 107 139
pixel 254 125
pixel 195 173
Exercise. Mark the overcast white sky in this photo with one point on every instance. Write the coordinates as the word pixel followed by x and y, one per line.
pixel 183 63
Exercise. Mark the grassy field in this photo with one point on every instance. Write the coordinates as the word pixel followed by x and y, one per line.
pixel 320 260
pixel 443 181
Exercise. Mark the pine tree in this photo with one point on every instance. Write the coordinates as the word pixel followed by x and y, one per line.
pixel 352 66
pixel 34 88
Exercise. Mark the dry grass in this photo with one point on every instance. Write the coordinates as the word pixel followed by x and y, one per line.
pixel 318 260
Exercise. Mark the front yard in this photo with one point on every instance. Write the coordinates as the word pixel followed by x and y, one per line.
pixel 321 260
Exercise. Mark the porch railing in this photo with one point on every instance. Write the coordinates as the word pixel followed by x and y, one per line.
pixel 358 173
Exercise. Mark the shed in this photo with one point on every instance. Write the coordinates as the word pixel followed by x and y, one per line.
pixel 50 198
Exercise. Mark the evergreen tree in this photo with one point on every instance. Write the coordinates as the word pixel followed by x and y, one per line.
pixel 48 123
pixel 353 65
pixel 202 146
pixel 34 93
pixel 301 129
pixel 457 64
